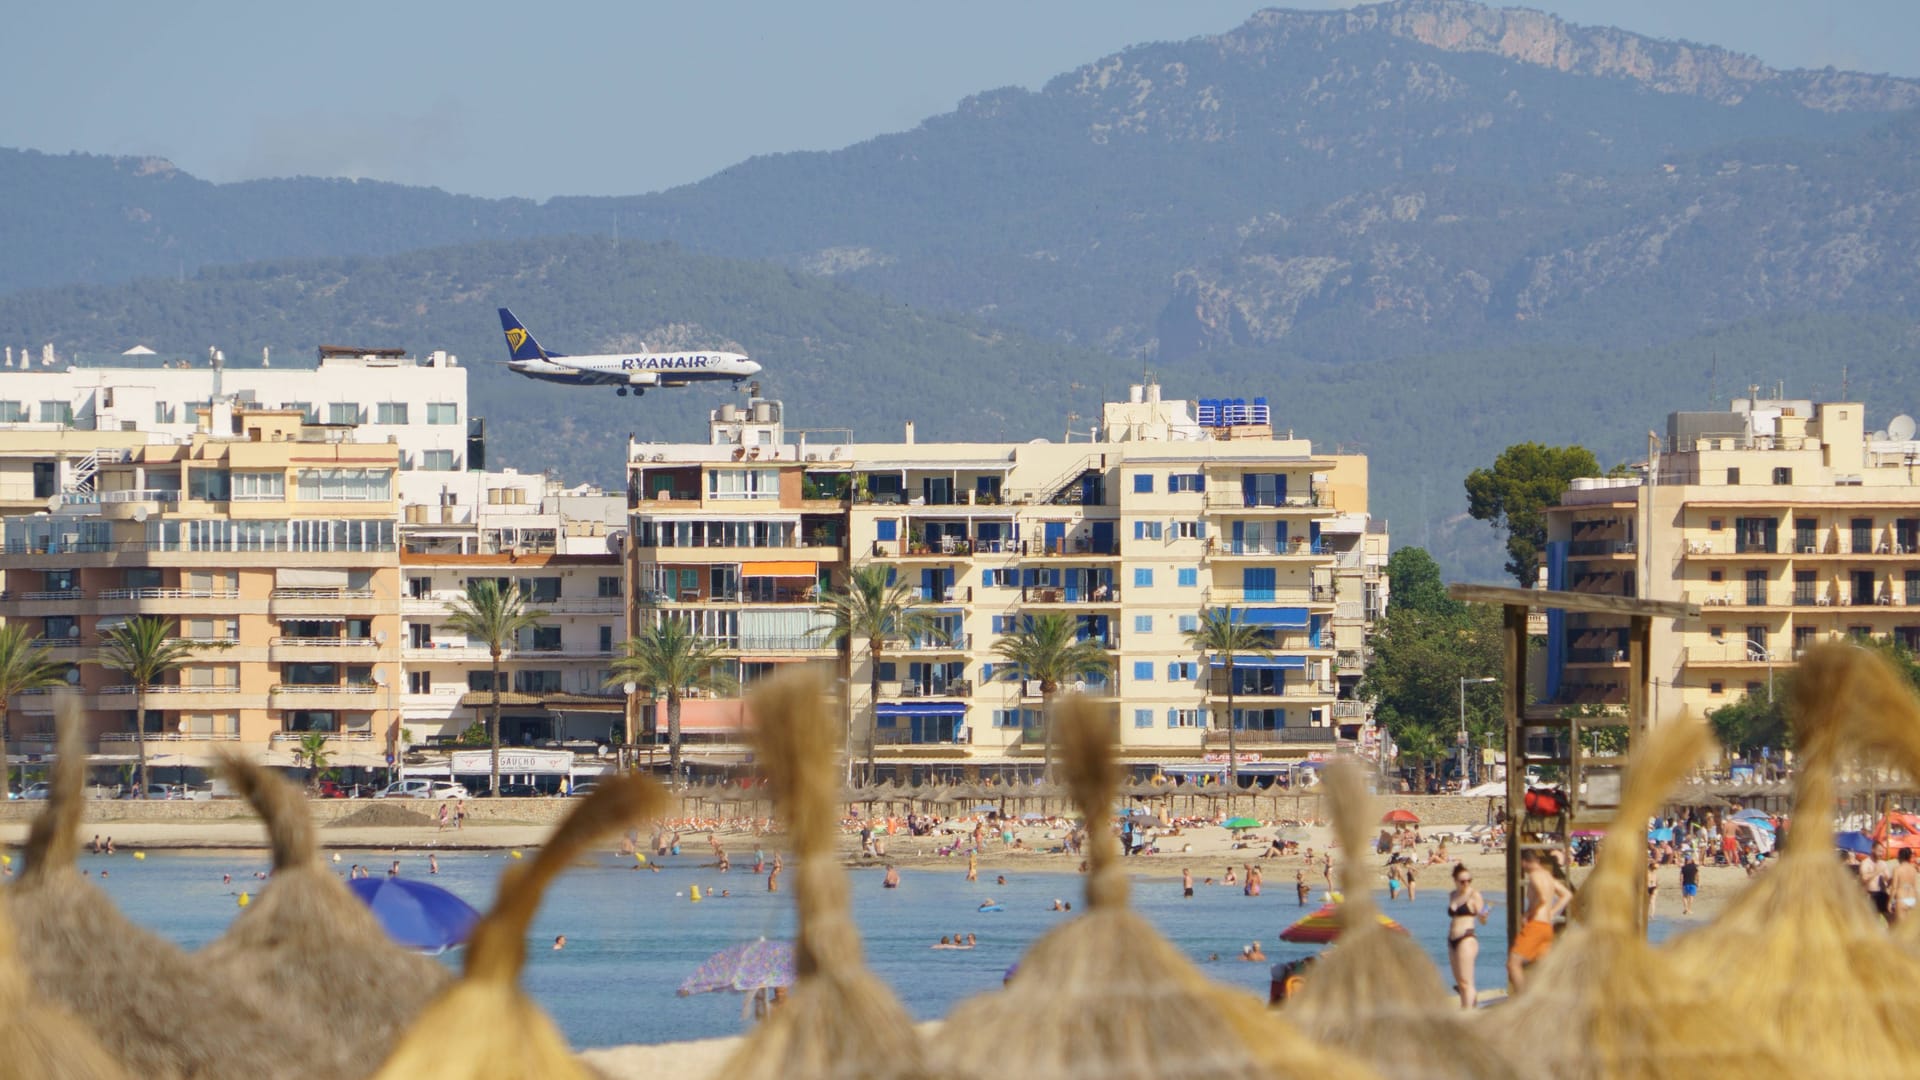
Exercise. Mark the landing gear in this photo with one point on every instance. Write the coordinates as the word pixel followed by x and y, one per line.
pixel 622 391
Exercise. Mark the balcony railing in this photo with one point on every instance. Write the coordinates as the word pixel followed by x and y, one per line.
pixel 904 736
pixel 44 594
pixel 339 736
pixel 169 594
pixel 328 642
pixel 323 594
pixel 1590 548
pixel 306 688
pixel 128 689
pixel 1269 736
pixel 171 736
pixel 954 688
pixel 1099 594
pixel 1231 548
pixel 1231 498
pixel 958 643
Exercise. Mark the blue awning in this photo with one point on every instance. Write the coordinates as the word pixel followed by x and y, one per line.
pixel 1265 663
pixel 1280 618
pixel 925 708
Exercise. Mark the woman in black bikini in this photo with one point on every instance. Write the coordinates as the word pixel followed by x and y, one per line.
pixel 1465 906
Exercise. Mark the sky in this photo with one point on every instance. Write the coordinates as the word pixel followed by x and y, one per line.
pixel 490 98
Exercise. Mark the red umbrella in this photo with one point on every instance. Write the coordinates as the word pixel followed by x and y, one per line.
pixel 1323 926
pixel 1400 817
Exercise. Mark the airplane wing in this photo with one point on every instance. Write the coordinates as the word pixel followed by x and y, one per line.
pixel 597 377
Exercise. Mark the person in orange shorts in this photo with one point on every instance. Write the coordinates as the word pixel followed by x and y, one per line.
pixel 1547 897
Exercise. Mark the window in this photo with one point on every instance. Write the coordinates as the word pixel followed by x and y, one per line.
pixel 1143 578
pixel 1713 524
pixel 309 412
pixel 1143 718
pixel 1005 624
pixel 57 412
pixel 1010 718
pixel 888 672
pixel 540 590
pixel 14 412
pixel 1783 476
pixel 609 588
pixel 887 529
pixel 1143 483
pixel 1716 576
pixel 1146 530
pixel 345 485
pixel 540 639
pixel 419 682
pixel 1183 671
pixel 743 484
pixel 986 673
pixel 1190 530
pixel 1717 633
pixel 392 412
pixel 59 627
pixel 259 486
pixel 1143 624
pixel 536 682
pixel 437 460
pixel 1183 718
pixel 1186 482
pixel 343 412
pixel 482 680
pixel 1143 671
pixel 162 413
pixel 1733 476
pixel 1716 688
pixel 1187 624
pixel 443 412
pixel 1187 577
pixel 213 629
pixel 606 639
pixel 209 485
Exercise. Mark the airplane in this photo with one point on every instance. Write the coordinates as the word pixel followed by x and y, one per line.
pixel 626 371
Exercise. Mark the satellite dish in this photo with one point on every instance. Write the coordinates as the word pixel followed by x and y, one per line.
pixel 380 637
pixel 1900 428
pixel 140 513
pixel 630 687
pixel 73 676
pixel 379 677
pixel 53 503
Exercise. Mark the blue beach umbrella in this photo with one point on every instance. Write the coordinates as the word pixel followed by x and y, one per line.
pixel 1857 842
pixel 757 965
pixel 416 914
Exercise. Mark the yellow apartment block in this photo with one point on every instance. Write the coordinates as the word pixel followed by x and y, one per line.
pixel 270 541
pixel 1171 509
pixel 1788 522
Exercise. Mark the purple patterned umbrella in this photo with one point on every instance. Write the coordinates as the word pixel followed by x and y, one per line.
pixel 757 965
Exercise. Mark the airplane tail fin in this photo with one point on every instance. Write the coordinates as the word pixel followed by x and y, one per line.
pixel 520 343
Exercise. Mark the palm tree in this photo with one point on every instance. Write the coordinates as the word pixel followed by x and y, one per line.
pixel 1049 649
pixel 496 617
pixel 875 609
pixel 668 658
pixel 144 649
pixel 25 664
pixel 1221 633
pixel 312 753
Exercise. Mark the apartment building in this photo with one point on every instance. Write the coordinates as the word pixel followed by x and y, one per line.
pixel 1174 507
pixel 270 541
pixel 1787 521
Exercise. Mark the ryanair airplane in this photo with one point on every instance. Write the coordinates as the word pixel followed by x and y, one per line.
pixel 626 371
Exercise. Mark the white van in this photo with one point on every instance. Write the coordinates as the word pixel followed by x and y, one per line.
pixel 421 787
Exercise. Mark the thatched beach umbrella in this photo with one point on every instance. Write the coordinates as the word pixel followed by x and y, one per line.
pixel 838 1020
pixel 1105 995
pixel 311 948
pixel 1799 957
pixel 40 1039
pixel 1602 980
pixel 484 1027
pixel 1375 993
pixel 153 1008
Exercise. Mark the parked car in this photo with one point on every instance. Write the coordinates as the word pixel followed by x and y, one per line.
pixel 520 791
pixel 155 791
pixel 37 790
pixel 582 789
pixel 420 787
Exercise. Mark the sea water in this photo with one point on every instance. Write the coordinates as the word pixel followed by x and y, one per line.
pixel 634 935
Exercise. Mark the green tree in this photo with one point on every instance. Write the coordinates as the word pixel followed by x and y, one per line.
pixel 1413 581
pixel 874 608
pixel 25 664
pixel 1221 633
pixel 312 753
pixel 1756 720
pixel 1514 495
pixel 1414 677
pixel 144 649
pixel 495 617
pixel 1049 650
pixel 668 658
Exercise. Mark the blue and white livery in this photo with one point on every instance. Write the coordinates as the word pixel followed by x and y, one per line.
pixel 626 371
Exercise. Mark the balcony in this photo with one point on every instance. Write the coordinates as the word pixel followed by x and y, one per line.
pixel 1039 596
pixel 958 643
pixel 1317 596
pixel 446 651
pixel 294 603
pixel 1217 691
pixel 171 736
pixel 1737 596
pixel 1296 547
pixel 906 736
pixel 953 688
pixel 1597 656
pixel 303 696
pixel 364 736
pixel 125 695
pixel 1292 502
pixel 154 601
pixel 1245 737
pixel 41 602
pixel 322 649
pixel 1727 656
pixel 1589 549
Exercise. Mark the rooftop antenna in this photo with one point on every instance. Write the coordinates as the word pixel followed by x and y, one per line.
pixel 1071 417
pixel 266 356
pixel 218 360
pixel 1845 382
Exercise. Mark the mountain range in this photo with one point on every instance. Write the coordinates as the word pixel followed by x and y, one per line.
pixel 1425 228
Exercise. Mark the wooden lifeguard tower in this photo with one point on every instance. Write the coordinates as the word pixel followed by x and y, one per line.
pixel 1540 735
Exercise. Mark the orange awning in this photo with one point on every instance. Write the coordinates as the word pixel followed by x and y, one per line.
pixel 780 569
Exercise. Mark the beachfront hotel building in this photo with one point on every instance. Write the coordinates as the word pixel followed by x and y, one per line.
pixel 1172 508
pixel 1788 521
pixel 270 541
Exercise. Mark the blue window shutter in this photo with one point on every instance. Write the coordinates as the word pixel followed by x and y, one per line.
pixel 887 529
pixel 1200 529
pixel 1173 671
pixel 1143 483
pixel 1143 671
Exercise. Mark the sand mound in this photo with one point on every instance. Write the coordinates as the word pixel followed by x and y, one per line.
pixel 381 815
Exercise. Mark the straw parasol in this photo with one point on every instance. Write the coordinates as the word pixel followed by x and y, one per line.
pixel 42 1039
pixel 307 945
pixel 151 1007
pixel 1800 957
pixel 1105 995
pixel 1602 979
pixel 484 1027
pixel 1376 993
pixel 839 1020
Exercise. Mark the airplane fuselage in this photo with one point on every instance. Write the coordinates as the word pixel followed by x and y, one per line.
pixel 638 369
